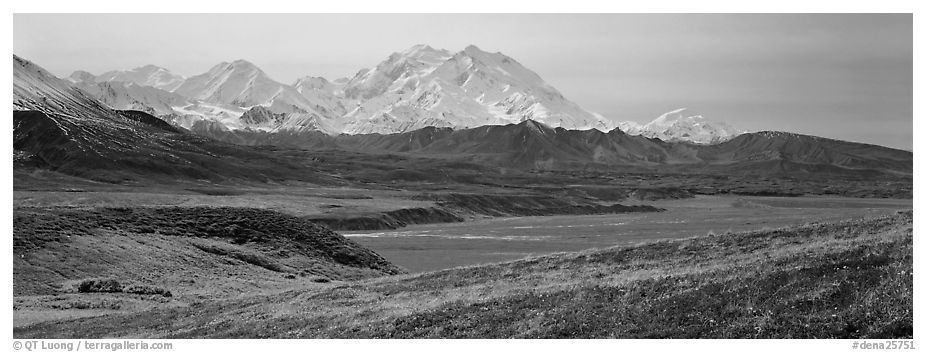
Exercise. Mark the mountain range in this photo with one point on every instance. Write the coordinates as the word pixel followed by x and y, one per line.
pixel 63 127
pixel 415 88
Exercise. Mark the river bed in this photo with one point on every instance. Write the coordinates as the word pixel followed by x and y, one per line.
pixel 432 247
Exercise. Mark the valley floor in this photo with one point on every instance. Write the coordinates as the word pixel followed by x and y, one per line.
pixel 253 262
pixel 849 279
pixel 430 247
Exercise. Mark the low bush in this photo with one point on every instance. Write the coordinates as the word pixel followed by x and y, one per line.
pixel 147 290
pixel 99 285
pixel 114 286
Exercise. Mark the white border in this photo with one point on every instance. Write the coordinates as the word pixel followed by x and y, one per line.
pixel 482 6
pixel 467 6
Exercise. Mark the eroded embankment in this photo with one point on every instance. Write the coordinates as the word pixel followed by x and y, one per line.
pixel 455 207
pixel 386 220
pixel 527 205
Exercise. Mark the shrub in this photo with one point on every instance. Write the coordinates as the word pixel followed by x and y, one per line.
pixel 81 305
pixel 114 286
pixel 99 285
pixel 147 290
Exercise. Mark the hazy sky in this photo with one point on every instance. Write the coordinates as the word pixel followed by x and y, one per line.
pixel 839 76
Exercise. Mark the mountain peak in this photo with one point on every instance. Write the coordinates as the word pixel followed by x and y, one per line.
pixel 676 111
pixel 242 64
pixel 534 125
pixel 417 48
pixel 685 125
pixel 239 64
pixel 472 49
pixel 421 53
pixel 311 81
pixel 240 84
pixel 677 115
pixel 81 76
pixel 475 52
pixel 149 68
pixel 147 75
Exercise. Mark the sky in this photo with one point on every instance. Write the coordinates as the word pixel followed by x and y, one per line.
pixel 844 76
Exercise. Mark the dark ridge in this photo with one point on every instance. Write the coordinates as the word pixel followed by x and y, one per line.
pixel 532 145
pixel 147 119
pixel 521 205
pixel 386 220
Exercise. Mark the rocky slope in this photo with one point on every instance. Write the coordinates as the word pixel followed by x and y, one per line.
pixel 131 96
pixel 65 129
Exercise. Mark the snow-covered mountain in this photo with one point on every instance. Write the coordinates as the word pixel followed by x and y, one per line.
pixel 238 83
pixel 131 96
pixel 147 88
pixel 63 127
pixel 34 88
pixel 148 75
pixel 80 76
pixel 231 88
pixel 326 97
pixel 683 125
pixel 423 86
pixel 630 127
pixel 415 88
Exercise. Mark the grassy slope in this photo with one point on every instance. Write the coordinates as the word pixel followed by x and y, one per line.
pixel 218 248
pixel 845 280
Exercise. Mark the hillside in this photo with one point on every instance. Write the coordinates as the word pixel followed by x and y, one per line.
pixel 851 279
pixel 808 150
pixel 533 145
pixel 77 262
pixel 59 127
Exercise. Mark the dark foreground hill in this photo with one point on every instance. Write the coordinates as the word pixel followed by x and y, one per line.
pixel 852 279
pixel 224 249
